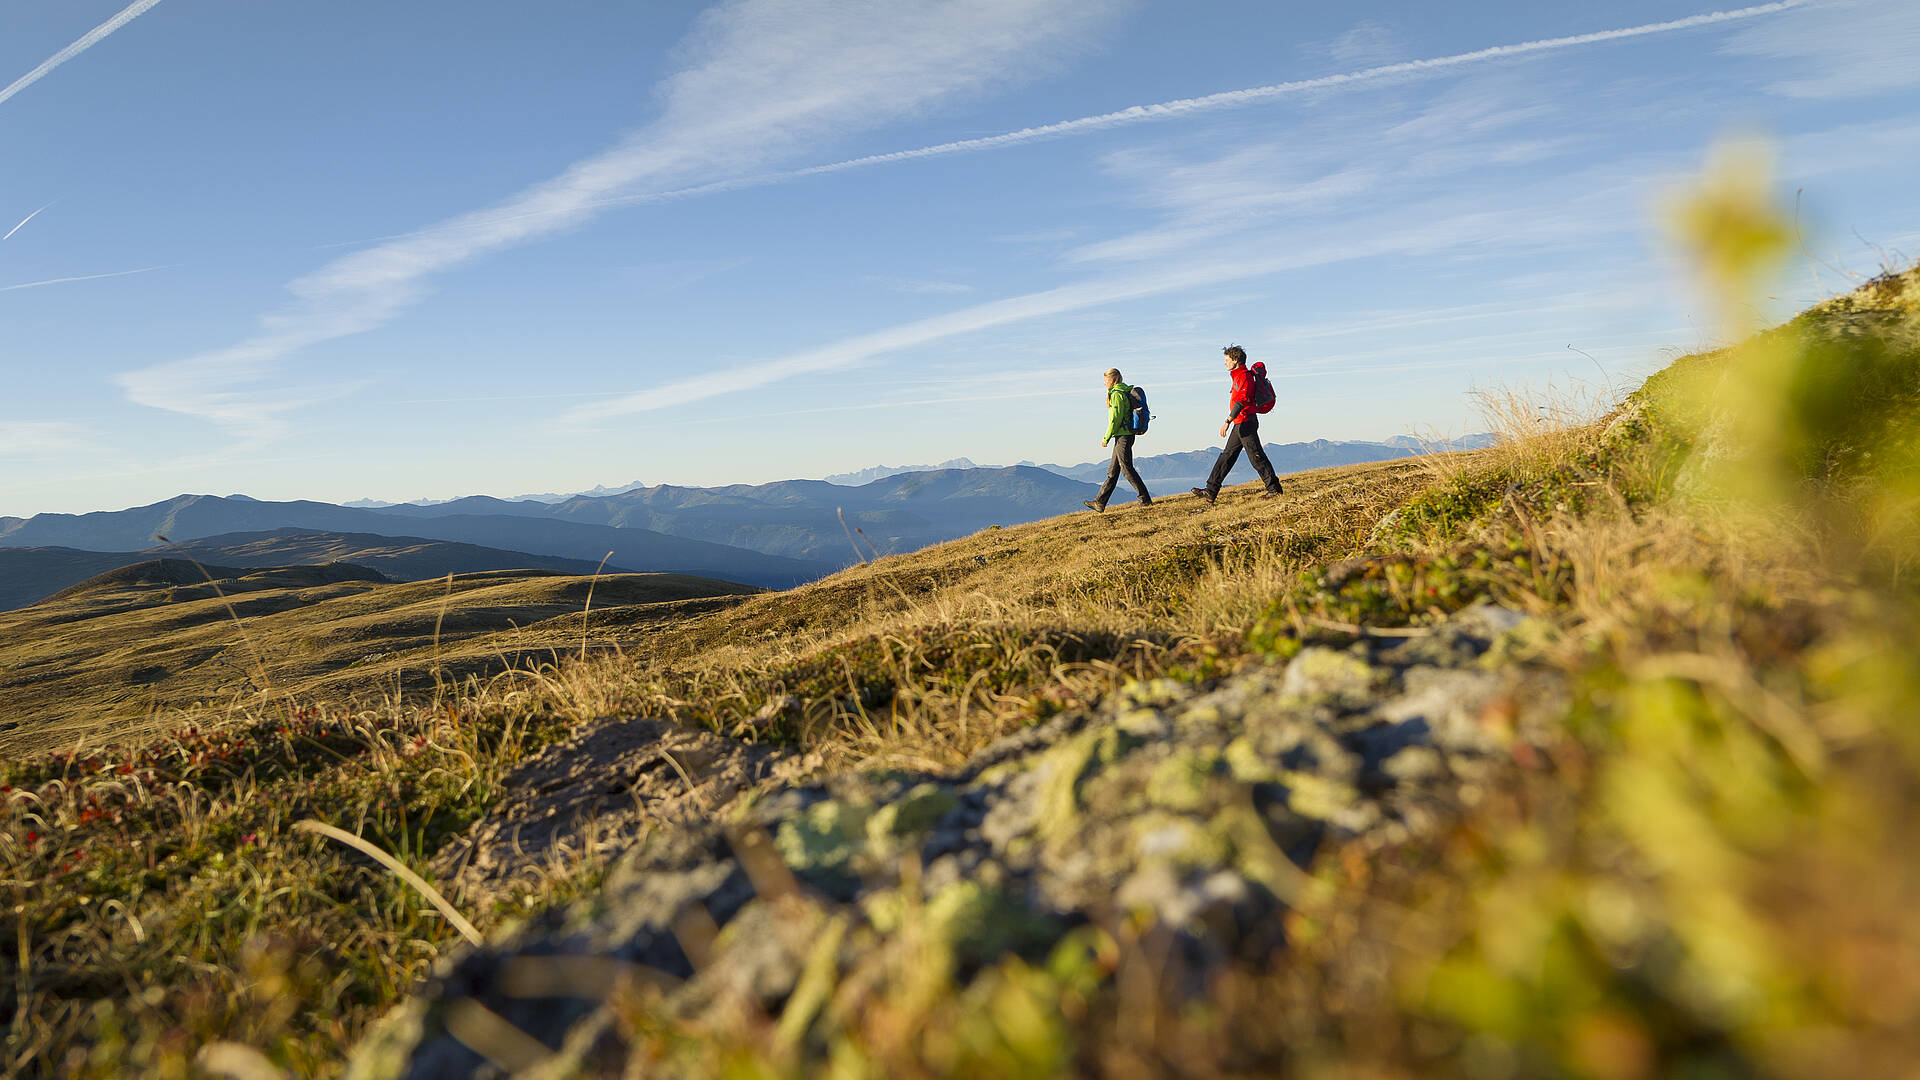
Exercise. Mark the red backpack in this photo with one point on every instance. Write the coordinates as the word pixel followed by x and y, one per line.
pixel 1261 395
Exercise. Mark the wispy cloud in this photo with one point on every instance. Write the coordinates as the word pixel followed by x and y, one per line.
pixel 861 349
pixel 42 438
pixel 23 222
pixel 85 277
pixel 1225 100
pixel 1234 99
pixel 919 286
pixel 1329 163
pixel 1369 42
pixel 87 41
pixel 764 80
pixel 1840 49
pixel 1575 207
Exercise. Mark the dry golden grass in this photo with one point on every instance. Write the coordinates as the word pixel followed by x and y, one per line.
pixel 972 638
pixel 1704 873
pixel 161 860
pixel 121 661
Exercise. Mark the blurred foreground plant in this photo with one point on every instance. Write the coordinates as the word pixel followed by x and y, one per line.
pixel 1728 890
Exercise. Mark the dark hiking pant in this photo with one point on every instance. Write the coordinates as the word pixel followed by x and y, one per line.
pixel 1122 463
pixel 1243 435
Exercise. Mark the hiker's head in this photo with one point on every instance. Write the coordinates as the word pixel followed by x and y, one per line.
pixel 1113 377
pixel 1235 355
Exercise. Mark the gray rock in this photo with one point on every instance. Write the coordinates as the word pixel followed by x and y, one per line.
pixel 1198 805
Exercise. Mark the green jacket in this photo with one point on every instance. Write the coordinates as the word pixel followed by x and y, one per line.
pixel 1119 411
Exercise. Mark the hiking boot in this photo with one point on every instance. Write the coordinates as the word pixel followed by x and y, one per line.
pixel 1094 506
pixel 1269 494
pixel 1205 495
pixel 1146 501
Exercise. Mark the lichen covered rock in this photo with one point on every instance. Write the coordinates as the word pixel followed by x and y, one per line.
pixel 1197 808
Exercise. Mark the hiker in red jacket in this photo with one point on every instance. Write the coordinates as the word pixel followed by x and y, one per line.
pixel 1243 420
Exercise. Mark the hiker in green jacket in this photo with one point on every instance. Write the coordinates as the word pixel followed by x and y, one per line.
pixel 1120 434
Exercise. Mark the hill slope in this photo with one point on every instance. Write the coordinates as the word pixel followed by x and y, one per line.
pixel 1588 754
pixel 124 652
pixel 29 574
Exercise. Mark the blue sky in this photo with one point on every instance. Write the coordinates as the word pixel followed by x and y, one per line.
pixel 428 249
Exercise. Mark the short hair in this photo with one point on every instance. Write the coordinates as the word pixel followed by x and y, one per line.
pixel 1238 354
pixel 1114 374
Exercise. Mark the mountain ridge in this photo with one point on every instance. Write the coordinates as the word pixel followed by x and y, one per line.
pixel 29 575
pixel 193 517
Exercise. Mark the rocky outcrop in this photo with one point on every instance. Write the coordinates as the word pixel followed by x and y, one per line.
pixel 597 793
pixel 1195 807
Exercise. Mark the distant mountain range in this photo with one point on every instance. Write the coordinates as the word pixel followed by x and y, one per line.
pixel 803 519
pixel 881 472
pixel 545 497
pixel 1195 464
pixel 773 535
pixel 196 517
pixel 1190 468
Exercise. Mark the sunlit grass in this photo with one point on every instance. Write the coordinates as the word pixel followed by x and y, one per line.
pixel 1704 871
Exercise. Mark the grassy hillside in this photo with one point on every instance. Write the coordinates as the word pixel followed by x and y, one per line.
pixel 130 651
pixel 1683 852
pixel 30 574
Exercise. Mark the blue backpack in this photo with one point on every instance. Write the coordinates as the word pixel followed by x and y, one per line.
pixel 1138 419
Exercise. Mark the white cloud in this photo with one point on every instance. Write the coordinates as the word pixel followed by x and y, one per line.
pixel 1330 162
pixel 1423 235
pixel 1839 48
pixel 43 438
pixel 920 286
pixel 1229 99
pixel 1369 42
pixel 1210 199
pixel 1551 215
pixel 1235 99
pixel 761 79
pixel 1851 148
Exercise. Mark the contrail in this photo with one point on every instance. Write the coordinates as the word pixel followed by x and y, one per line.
pixel 23 221
pixel 1228 99
pixel 87 41
pixel 85 277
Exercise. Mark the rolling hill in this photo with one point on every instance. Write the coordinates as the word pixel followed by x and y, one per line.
pixel 121 653
pixel 1528 761
pixel 30 574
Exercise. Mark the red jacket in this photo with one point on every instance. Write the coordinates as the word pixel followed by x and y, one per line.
pixel 1240 401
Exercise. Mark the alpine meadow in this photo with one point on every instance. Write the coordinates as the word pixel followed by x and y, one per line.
pixel 1549 707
